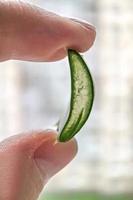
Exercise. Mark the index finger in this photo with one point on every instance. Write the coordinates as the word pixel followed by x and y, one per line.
pixel 30 33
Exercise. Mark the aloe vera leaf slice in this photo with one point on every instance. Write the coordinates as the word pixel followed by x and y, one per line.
pixel 82 96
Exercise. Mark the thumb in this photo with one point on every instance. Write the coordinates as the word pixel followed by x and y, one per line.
pixel 27 161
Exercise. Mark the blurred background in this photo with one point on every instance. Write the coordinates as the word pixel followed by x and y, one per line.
pixel 34 96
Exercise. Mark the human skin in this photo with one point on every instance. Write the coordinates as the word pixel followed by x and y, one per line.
pixel 29 160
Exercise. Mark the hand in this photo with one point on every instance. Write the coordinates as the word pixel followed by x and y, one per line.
pixel 27 161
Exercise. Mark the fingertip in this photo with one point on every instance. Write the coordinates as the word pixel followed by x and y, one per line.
pixel 90 41
pixel 52 156
pixel 84 33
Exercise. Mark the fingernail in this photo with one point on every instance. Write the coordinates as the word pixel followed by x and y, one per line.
pixel 84 23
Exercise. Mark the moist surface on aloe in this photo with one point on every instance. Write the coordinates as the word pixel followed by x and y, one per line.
pixel 82 94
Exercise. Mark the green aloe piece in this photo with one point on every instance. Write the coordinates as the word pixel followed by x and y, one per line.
pixel 82 95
